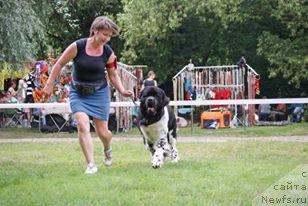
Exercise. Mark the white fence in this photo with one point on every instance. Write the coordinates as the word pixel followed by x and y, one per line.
pixel 172 103
pixel 64 108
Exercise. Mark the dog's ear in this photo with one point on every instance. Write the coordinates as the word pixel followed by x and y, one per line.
pixel 165 99
pixel 143 93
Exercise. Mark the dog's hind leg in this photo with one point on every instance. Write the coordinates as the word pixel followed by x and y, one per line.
pixel 174 152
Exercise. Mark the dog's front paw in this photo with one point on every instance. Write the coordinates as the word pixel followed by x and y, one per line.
pixel 157 159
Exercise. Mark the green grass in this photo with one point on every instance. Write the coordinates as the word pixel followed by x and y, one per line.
pixel 297 129
pixel 230 173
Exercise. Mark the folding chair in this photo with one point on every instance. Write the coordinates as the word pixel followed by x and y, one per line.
pixel 2 118
pixel 53 119
pixel 12 117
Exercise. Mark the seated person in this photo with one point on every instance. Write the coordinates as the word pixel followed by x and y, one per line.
pixel 280 112
pixel 297 113
pixel 9 98
pixel 264 111
pixel 2 100
pixel 282 108
pixel 12 89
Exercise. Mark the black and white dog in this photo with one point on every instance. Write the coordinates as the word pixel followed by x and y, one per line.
pixel 157 124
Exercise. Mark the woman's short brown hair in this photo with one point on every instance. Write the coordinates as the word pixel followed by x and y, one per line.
pixel 103 22
pixel 150 73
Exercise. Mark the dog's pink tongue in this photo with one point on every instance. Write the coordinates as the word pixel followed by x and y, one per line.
pixel 151 110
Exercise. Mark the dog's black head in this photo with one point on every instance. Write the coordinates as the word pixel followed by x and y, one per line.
pixel 152 100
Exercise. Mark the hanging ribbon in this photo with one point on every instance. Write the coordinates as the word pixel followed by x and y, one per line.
pixel 257 86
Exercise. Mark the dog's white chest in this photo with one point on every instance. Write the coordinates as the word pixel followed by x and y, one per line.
pixel 157 130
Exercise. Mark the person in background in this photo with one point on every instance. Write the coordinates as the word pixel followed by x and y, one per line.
pixel 281 108
pixel 281 112
pixel 2 101
pixel 264 111
pixel 21 91
pixel 297 112
pixel 149 81
pixel 89 90
pixel 29 80
pixel 12 89
pixel 9 98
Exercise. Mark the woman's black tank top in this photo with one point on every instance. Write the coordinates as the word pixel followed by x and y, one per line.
pixel 148 83
pixel 90 69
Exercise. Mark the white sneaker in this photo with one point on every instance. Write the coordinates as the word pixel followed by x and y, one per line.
pixel 108 157
pixel 91 169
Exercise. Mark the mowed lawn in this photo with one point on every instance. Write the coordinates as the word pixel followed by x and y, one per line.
pixel 298 129
pixel 230 173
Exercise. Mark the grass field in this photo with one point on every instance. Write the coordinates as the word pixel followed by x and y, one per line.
pixel 298 129
pixel 230 173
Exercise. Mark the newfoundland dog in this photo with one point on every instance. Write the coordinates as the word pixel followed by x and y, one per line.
pixel 157 124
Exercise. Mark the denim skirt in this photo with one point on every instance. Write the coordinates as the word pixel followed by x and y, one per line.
pixel 96 105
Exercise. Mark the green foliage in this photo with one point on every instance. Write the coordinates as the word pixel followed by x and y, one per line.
pixel 165 35
pixel 19 28
pixel 287 51
pixel 71 20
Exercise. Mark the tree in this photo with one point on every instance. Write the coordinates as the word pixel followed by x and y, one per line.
pixel 287 51
pixel 18 25
pixel 166 35
pixel 270 34
pixel 70 20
